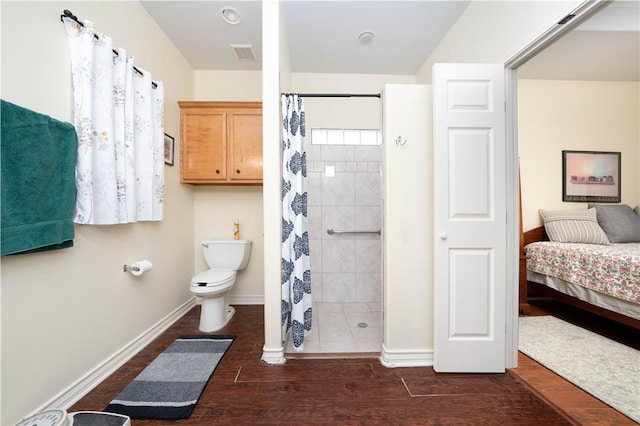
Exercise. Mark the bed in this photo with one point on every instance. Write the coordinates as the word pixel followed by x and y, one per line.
pixel 600 275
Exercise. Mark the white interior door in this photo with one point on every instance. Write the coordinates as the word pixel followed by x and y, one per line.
pixel 470 217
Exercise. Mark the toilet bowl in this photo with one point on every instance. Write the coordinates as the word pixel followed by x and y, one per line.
pixel 225 258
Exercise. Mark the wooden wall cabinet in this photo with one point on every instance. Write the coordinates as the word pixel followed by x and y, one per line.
pixel 221 143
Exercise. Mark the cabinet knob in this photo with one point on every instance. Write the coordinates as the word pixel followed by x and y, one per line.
pixel 218 171
pixel 238 171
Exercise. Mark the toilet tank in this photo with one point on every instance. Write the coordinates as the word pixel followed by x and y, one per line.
pixel 227 254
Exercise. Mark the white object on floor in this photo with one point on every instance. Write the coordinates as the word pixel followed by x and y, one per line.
pixel 225 258
pixel 59 417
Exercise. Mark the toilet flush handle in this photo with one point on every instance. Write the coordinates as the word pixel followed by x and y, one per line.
pixel 205 245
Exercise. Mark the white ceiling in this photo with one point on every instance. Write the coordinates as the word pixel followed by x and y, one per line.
pixel 604 47
pixel 321 34
pixel 198 31
pixel 322 37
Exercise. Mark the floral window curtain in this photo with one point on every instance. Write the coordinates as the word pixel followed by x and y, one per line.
pixel 296 263
pixel 119 118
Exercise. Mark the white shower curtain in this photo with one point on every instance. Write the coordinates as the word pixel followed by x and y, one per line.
pixel 296 264
pixel 119 118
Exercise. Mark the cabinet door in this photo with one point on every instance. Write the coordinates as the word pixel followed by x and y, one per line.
pixel 204 137
pixel 245 152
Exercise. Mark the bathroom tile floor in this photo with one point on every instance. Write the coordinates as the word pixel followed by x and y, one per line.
pixel 343 328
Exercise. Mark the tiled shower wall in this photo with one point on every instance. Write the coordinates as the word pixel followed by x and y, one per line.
pixel 344 267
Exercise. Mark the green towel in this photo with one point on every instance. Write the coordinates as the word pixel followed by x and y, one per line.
pixel 38 190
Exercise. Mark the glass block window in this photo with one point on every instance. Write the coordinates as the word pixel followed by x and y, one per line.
pixel 346 137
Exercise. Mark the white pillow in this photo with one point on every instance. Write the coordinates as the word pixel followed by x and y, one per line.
pixel 573 226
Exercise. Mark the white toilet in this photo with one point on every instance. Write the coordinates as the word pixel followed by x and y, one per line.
pixel 224 257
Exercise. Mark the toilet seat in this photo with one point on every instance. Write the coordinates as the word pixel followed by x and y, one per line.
pixel 213 278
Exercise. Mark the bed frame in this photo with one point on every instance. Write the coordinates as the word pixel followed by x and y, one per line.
pixel 539 234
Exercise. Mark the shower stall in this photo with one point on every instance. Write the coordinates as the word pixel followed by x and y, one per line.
pixel 405 335
pixel 344 218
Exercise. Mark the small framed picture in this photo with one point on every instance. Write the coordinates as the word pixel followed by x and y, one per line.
pixel 591 176
pixel 169 146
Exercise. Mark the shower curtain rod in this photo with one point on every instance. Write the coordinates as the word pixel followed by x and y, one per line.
pixel 67 14
pixel 335 95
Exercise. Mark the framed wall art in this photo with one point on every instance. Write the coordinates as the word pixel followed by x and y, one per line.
pixel 591 176
pixel 169 146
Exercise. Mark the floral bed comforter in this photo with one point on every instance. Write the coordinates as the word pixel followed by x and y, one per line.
pixel 613 269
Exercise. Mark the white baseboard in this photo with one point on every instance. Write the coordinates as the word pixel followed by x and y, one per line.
pixel 84 385
pixel 406 358
pixel 246 300
pixel 273 356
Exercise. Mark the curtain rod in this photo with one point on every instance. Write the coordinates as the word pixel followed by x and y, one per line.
pixel 67 14
pixel 335 95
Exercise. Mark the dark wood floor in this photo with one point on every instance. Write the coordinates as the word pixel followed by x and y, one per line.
pixel 243 390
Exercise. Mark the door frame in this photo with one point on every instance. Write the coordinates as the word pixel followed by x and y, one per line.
pixel 581 13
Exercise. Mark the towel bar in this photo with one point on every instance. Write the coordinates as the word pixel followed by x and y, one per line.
pixel 332 231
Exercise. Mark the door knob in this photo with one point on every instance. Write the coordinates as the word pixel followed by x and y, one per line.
pixel 443 236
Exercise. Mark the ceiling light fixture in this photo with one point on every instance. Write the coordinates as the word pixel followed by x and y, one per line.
pixel 230 15
pixel 365 37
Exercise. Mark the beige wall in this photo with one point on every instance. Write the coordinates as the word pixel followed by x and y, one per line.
pixel 346 113
pixel 219 85
pixel 494 31
pixel 408 226
pixel 65 312
pixel 557 115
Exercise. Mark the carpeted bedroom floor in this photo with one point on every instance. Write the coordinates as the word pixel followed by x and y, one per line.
pixel 581 407
pixel 606 369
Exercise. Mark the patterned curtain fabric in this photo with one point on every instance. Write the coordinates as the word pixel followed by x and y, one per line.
pixel 119 118
pixel 296 264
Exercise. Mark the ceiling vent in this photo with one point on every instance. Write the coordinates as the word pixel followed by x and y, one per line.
pixel 244 52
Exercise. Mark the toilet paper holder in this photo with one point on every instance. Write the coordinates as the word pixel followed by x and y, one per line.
pixel 127 268
pixel 138 268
